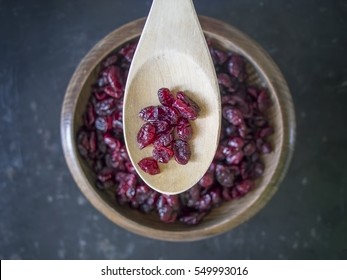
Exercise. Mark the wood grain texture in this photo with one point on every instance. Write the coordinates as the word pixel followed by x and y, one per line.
pixel 173 53
pixel 263 71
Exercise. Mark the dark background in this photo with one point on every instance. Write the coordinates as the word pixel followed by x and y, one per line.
pixel 43 215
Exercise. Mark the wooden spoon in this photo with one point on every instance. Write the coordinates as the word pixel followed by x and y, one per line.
pixel 173 53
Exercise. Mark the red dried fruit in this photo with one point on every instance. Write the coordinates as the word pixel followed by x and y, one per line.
pixel 146 135
pixel 151 113
pixel 162 154
pixel 165 97
pixel 185 111
pixel 128 51
pixel 207 180
pixel 224 176
pixel 161 126
pixel 111 142
pixel 103 123
pixel 163 139
pixel 184 129
pixel 114 79
pixel 233 115
pixel 105 107
pixel 181 151
pixel 149 165
pixel 236 67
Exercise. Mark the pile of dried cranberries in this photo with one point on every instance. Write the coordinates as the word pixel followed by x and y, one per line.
pixel 237 162
pixel 161 120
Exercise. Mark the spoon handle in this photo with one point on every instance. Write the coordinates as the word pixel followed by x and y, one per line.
pixel 174 25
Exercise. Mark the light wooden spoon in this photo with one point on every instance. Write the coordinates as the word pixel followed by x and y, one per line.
pixel 173 53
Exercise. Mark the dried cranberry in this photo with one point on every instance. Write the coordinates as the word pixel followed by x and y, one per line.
pixel 236 67
pixel 181 151
pixel 146 135
pixel 232 115
pixel 207 180
pixel 105 107
pixel 184 129
pixel 224 176
pixel 111 142
pixel 163 139
pixel 150 113
pixel 162 154
pixel 165 97
pixel 161 126
pixel 128 51
pixel 149 165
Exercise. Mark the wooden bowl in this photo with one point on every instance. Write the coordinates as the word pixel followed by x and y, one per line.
pixel 230 214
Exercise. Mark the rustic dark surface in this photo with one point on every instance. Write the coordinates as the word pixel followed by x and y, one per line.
pixel 43 215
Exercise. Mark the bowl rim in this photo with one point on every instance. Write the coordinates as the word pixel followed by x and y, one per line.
pixel 254 52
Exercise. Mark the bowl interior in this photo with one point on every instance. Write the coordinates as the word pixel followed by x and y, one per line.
pixel 262 71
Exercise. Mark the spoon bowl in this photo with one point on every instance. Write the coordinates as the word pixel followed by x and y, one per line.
pixel 173 53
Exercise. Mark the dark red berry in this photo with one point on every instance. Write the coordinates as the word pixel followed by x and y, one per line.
pixel 111 142
pixel 163 139
pixel 224 176
pixel 165 97
pixel 149 165
pixel 184 129
pixel 146 135
pixel 162 154
pixel 181 151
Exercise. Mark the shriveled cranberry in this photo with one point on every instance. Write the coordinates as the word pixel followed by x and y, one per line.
pixel 264 101
pixel 146 135
pixel 219 57
pixel 149 165
pixel 163 139
pixel 224 176
pixel 162 154
pixel 168 206
pixel 186 106
pixel 92 142
pixel 181 151
pixel 170 115
pixel 192 218
pixel 150 113
pixel 105 174
pixel 184 109
pixel 244 187
pixel 236 67
pixel 165 97
pixel 266 148
pixel 184 129
pixel 232 115
pixel 128 51
pixel 267 131
pixel 235 158
pixel 105 107
pixel 207 180
pixel 111 142
pixel 103 123
pixel 83 143
pixel 112 59
pixel 236 142
pixel 250 148
pixel 161 126
pixel 89 116
pixel 216 196
pixel 257 170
